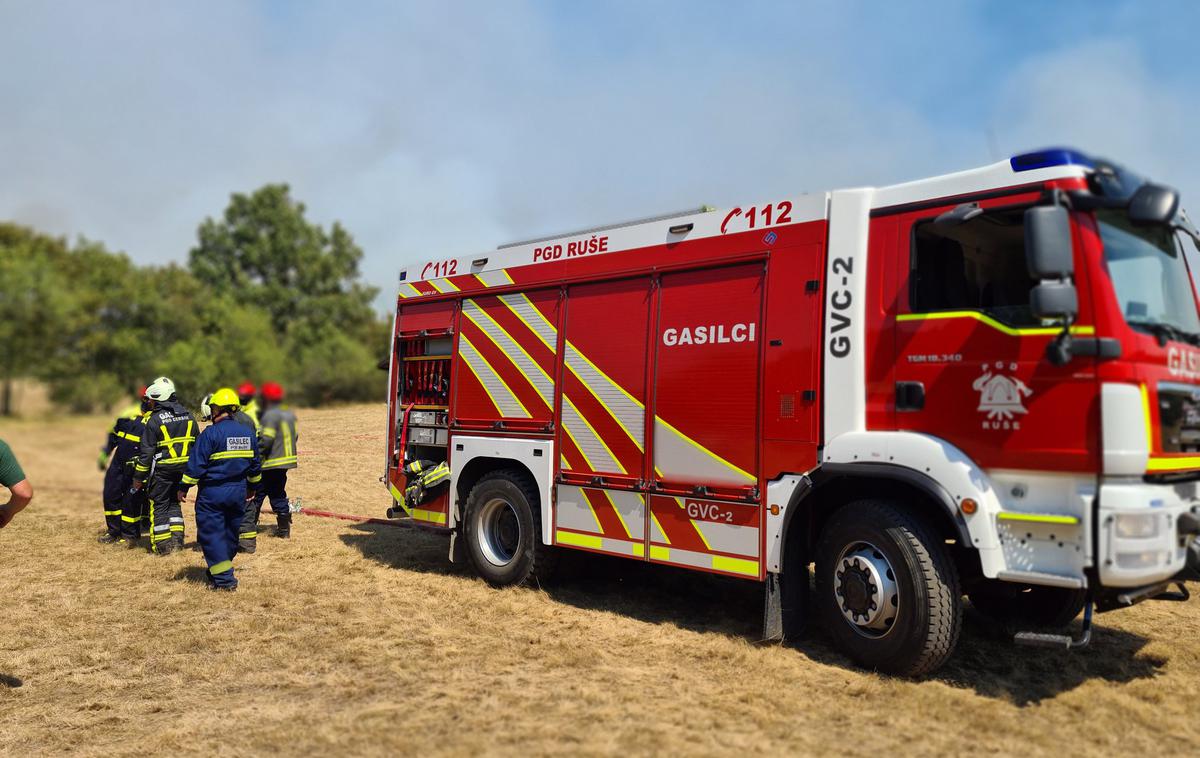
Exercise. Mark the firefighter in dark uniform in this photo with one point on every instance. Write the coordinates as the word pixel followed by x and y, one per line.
pixel 248 530
pixel 166 442
pixel 224 463
pixel 116 460
pixel 277 445
pixel 246 395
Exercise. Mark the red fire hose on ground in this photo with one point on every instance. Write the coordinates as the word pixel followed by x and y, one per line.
pixel 403 524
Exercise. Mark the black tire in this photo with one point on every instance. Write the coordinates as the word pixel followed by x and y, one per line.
pixel 502 529
pixel 1018 606
pixel 919 609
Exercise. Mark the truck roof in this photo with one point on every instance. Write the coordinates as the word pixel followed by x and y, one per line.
pixel 706 221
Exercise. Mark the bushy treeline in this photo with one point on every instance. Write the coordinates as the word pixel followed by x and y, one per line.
pixel 265 296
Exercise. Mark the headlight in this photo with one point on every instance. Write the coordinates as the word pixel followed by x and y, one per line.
pixel 1137 526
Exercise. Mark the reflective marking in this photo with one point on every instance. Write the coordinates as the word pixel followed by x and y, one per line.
pixel 657 533
pixel 1173 464
pixel 578 540
pixel 735 565
pixel 433 517
pixel 678 453
pixel 529 368
pixel 1037 518
pixel 494 278
pixel 624 408
pixel 398 496
pixel 592 448
pixel 993 323
pixel 680 502
pixel 502 397
pixel 575 511
pixel 442 285
pixel 407 290
pixel 524 309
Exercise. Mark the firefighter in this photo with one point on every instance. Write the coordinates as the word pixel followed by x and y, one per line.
pixel 246 396
pixel 225 464
pixel 167 439
pixel 116 457
pixel 277 445
pixel 248 529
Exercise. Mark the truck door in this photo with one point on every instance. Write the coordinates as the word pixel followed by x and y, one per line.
pixel 970 365
pixel 704 508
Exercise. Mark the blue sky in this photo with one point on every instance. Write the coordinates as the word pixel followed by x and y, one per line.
pixel 438 129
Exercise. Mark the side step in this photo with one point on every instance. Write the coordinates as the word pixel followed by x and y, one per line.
pixel 1059 641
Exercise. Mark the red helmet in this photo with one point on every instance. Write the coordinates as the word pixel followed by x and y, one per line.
pixel 246 389
pixel 272 392
pixel 142 391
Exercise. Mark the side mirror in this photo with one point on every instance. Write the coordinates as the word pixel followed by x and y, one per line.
pixel 1048 250
pixel 1054 300
pixel 1153 204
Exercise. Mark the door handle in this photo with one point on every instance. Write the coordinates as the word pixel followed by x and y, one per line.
pixel 910 396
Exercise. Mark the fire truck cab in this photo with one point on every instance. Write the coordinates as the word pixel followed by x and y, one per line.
pixel 984 385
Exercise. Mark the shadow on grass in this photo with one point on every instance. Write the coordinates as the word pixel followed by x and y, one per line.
pixel 8 680
pixel 985 661
pixel 193 574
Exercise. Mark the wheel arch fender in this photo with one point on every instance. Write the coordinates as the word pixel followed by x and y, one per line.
pixel 872 464
pixel 472 458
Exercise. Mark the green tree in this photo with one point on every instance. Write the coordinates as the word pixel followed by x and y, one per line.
pixel 264 251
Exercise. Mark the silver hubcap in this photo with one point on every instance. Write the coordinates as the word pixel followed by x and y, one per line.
pixel 499 531
pixel 866 589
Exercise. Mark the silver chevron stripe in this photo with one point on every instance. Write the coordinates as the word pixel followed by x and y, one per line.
pixel 595 454
pixel 502 396
pixel 627 412
pixel 529 368
pixel 533 318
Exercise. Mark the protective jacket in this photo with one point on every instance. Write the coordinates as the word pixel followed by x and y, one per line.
pixel 125 437
pixel 423 477
pixel 167 439
pixel 224 454
pixel 250 409
pixel 277 438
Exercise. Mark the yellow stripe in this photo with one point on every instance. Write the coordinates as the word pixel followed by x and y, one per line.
pixel 548 400
pixel 412 291
pixel 442 285
pixel 661 531
pixel 695 526
pixel 579 540
pixel 735 565
pixel 434 517
pixel 1146 417
pixel 993 323
pixel 220 568
pixel 398 496
pixel 1173 464
pixel 536 333
pixel 617 511
pixel 223 454
pixel 112 513
pixel 716 458
pixel 1037 518
pixel 659 553
pixel 463 339
pixel 639 550
pixel 592 429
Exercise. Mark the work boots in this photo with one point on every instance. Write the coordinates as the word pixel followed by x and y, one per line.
pixel 109 538
pixel 283 526
pixel 246 545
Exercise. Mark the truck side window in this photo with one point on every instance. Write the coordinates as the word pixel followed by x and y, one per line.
pixel 974 266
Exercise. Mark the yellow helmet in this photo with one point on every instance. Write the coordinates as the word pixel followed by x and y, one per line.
pixel 225 398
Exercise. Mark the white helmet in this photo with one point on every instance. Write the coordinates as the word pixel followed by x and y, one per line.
pixel 206 408
pixel 160 389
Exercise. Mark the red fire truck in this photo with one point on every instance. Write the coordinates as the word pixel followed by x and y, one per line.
pixel 981 385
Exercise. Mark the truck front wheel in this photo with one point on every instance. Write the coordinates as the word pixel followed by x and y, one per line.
pixel 502 529
pixel 887 590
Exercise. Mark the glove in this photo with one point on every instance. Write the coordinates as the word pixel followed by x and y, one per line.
pixel 102 461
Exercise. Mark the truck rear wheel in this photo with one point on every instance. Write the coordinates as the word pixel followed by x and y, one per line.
pixel 1015 604
pixel 502 529
pixel 887 590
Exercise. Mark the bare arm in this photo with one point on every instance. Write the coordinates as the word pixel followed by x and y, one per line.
pixel 20 495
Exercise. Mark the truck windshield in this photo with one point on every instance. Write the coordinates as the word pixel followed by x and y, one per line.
pixel 1149 275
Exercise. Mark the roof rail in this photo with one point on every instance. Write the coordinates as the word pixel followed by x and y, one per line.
pixel 607 227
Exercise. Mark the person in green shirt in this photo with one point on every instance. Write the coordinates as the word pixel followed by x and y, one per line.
pixel 12 478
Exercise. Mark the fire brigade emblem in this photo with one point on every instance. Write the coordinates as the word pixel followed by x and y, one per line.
pixel 1001 396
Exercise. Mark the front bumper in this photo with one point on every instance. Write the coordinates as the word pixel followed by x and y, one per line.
pixel 1138 537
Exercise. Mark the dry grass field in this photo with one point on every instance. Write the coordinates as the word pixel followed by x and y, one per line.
pixel 364 639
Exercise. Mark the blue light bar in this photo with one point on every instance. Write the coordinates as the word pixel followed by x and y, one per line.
pixel 1057 156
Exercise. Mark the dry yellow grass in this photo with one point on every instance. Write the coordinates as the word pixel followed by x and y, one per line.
pixel 361 639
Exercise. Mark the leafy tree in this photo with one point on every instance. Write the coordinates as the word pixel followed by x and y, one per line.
pixel 264 251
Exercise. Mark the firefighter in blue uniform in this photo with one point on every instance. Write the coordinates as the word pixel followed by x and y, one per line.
pixel 116 461
pixel 225 464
